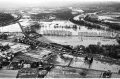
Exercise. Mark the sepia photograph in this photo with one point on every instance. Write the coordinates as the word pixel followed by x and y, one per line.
pixel 59 39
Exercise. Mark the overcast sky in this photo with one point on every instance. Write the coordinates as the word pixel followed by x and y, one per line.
pixel 22 3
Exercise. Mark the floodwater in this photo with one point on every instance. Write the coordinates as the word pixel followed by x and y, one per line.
pixel 75 38
pixel 66 26
pixel 14 27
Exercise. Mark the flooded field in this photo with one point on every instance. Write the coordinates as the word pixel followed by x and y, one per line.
pixel 66 26
pixel 66 33
pixel 81 35
pixel 76 40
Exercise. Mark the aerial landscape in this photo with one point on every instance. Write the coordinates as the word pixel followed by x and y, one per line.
pixel 59 39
